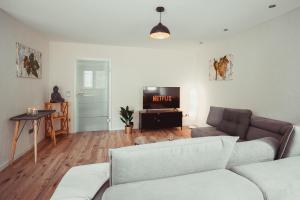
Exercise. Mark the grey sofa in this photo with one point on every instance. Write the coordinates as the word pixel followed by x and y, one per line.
pixel 241 122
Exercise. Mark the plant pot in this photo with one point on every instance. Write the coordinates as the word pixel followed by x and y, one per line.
pixel 128 129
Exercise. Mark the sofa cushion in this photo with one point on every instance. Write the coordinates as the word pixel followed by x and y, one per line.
pixel 153 161
pixel 212 185
pixel 215 116
pixel 260 150
pixel 235 122
pixel 278 180
pixel 206 131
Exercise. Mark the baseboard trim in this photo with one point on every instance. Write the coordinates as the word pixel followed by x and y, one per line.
pixel 6 163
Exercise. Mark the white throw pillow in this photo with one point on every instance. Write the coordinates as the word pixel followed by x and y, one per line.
pixel 166 159
pixel 253 151
pixel 293 147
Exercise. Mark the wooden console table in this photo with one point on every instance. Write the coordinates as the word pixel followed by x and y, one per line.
pixel 36 120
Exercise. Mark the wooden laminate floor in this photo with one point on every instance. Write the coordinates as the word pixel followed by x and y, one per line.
pixel 27 181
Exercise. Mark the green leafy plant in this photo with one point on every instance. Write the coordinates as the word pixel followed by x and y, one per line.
pixel 126 116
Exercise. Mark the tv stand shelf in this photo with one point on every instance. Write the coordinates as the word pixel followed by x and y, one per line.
pixel 156 119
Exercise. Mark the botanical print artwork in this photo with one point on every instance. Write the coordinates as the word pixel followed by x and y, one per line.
pixel 28 61
pixel 221 68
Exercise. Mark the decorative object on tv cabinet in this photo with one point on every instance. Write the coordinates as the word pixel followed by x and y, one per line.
pixel 62 115
pixel 221 68
pixel 126 118
pixel 28 61
pixel 161 97
pixel 55 96
pixel 156 119
pixel 160 31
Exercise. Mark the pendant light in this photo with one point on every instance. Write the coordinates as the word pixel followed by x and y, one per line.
pixel 160 31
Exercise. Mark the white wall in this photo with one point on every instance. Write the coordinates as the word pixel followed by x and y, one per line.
pixel 131 69
pixel 266 67
pixel 18 93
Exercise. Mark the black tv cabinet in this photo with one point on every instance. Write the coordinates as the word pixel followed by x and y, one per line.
pixel 158 119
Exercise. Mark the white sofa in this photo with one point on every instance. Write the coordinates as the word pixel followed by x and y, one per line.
pixel 202 168
pixel 208 168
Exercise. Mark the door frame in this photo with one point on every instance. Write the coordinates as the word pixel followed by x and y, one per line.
pixel 109 90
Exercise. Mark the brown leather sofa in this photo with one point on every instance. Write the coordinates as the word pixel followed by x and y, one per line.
pixel 241 122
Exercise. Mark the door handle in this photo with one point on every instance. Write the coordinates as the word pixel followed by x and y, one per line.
pixel 85 94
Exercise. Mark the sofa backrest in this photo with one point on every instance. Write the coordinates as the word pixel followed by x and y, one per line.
pixel 167 159
pixel 215 116
pixel 231 121
pixel 261 127
pixel 293 146
pixel 235 122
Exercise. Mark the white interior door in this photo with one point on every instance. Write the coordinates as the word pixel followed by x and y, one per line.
pixel 92 95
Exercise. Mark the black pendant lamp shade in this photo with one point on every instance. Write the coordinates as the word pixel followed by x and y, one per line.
pixel 160 31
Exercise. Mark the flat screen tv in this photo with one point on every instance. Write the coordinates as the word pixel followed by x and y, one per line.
pixel 161 97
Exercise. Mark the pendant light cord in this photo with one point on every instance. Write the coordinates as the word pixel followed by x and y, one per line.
pixel 160 17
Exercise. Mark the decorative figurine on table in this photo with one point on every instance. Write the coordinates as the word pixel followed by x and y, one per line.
pixel 55 96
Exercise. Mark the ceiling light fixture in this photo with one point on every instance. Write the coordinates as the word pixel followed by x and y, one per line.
pixel 160 31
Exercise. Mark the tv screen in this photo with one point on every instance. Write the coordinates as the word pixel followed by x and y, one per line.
pixel 161 97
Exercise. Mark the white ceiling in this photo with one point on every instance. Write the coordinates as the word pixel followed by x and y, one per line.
pixel 128 22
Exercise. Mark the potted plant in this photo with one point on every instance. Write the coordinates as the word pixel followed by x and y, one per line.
pixel 126 118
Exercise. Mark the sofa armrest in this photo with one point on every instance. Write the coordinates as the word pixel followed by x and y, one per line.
pixel 293 143
pixel 215 116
